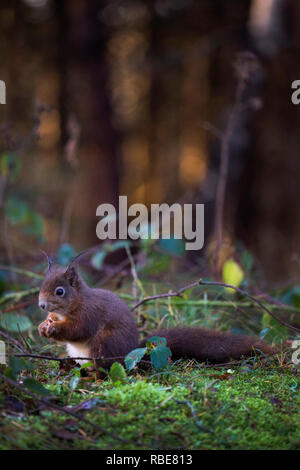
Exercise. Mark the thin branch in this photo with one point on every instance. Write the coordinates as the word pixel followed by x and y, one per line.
pixel 217 303
pixel 215 283
pixel 64 359
pixel 71 157
pixel 178 293
pixel 258 302
pixel 13 341
pixel 222 181
pixel 25 342
pixel 245 66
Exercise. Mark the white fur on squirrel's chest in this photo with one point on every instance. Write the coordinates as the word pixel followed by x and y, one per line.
pixel 78 350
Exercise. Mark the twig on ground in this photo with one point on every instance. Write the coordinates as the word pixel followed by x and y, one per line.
pixel 194 415
pixel 64 359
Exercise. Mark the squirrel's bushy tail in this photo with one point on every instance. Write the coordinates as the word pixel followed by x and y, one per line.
pixel 210 345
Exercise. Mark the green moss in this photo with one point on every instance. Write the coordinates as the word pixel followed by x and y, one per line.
pixel 248 409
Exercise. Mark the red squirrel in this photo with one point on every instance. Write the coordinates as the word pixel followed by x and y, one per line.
pixel 96 323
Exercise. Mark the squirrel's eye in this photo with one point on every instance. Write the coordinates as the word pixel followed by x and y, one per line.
pixel 60 291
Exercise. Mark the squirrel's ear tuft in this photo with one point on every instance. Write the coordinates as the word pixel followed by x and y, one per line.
pixel 72 276
pixel 49 260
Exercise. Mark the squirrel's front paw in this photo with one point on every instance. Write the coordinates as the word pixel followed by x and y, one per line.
pixel 50 331
pixel 43 328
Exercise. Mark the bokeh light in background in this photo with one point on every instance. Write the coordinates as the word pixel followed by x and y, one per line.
pixel 141 82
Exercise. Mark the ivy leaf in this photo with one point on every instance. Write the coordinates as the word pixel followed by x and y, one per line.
pixel 157 341
pixel 134 357
pixel 159 357
pixel 36 387
pixel 117 373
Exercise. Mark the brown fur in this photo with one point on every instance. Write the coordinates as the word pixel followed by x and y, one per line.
pixel 209 345
pixel 103 322
pixel 95 316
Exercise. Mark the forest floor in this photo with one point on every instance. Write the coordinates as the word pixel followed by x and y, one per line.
pixel 186 406
pixel 254 404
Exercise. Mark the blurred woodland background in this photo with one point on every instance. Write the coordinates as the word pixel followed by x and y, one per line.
pixel 134 97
